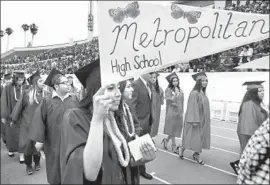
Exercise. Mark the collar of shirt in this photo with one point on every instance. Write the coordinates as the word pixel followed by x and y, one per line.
pixel 145 83
pixel 54 94
pixel 147 87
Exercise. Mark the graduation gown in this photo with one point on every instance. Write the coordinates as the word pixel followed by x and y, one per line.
pixel 76 126
pixel 45 128
pixel 157 101
pixel 174 113
pixel 23 114
pixel 3 133
pixel 197 137
pixel 8 102
pixel 249 121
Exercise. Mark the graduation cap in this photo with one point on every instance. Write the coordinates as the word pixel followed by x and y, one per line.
pixel 83 73
pixel 198 76
pixel 170 76
pixel 19 74
pixel 253 84
pixel 50 78
pixel 33 77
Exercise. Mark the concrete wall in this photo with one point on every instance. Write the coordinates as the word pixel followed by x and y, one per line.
pixel 222 86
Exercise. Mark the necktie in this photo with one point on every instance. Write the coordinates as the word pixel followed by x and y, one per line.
pixel 149 90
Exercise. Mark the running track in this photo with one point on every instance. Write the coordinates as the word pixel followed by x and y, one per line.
pixel 167 168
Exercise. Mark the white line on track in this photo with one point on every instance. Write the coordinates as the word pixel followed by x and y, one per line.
pixel 159 179
pixel 216 148
pixel 209 166
pixel 225 137
pixel 224 128
pixel 211 135
pixel 225 150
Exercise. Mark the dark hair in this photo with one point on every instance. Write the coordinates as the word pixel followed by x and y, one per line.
pixel 93 84
pixel 171 86
pixel 156 85
pixel 252 94
pixel 198 86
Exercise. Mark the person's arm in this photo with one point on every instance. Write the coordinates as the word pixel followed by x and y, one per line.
pixel 17 111
pixel 169 97
pixel 192 112
pixel 37 128
pixel 4 105
pixel 92 160
pixel 161 96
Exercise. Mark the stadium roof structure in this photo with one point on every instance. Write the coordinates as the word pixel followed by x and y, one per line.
pixel 25 51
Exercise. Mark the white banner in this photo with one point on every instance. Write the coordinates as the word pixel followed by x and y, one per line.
pixel 137 38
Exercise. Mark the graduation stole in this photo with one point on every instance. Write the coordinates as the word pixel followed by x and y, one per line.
pixel 35 95
pixel 15 94
pixel 117 137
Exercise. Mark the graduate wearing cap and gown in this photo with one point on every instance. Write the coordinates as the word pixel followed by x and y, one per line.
pixel 90 153
pixel 46 123
pixel 251 115
pixel 196 131
pixel 10 96
pixel 157 102
pixel 7 79
pixel 23 114
pixel 174 97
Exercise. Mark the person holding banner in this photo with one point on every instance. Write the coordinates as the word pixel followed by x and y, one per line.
pixel 10 95
pixel 46 124
pixel 23 113
pixel 157 101
pixel 140 106
pixel 174 111
pixel 251 115
pixel 196 132
pixel 94 137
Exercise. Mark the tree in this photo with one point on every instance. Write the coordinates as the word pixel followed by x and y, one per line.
pixel 25 28
pixel 34 30
pixel 8 31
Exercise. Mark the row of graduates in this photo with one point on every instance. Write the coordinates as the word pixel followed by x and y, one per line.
pixel 73 133
pixel 45 125
pixel 59 124
pixel 19 105
pixel 196 124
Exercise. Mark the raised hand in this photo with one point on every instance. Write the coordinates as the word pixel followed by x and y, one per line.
pixel 101 103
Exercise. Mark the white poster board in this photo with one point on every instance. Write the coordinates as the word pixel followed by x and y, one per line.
pixel 137 38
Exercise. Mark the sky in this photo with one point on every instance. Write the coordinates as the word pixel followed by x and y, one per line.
pixel 57 21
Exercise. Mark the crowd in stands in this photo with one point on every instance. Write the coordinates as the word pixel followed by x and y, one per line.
pixel 71 58
pixel 254 6
pixel 67 60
